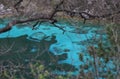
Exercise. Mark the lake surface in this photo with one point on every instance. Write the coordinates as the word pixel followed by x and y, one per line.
pixel 53 47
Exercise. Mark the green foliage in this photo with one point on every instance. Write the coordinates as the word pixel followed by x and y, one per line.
pixel 41 73
pixel 35 71
pixel 112 30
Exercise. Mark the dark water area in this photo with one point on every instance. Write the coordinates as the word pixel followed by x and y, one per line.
pixel 23 47
pixel 23 51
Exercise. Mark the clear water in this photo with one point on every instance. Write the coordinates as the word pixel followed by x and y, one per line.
pixel 67 46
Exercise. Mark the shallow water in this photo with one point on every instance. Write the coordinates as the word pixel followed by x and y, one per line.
pixel 28 44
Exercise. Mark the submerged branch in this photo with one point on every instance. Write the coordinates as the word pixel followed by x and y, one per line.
pixel 7 50
pixel 14 22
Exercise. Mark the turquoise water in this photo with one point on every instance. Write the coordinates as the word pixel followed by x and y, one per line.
pixel 70 45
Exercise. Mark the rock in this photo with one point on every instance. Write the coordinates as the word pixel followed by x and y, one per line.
pixel 6 12
pixel 1 6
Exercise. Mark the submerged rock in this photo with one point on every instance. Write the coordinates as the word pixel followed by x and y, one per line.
pixel 59 49
pixel 38 36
